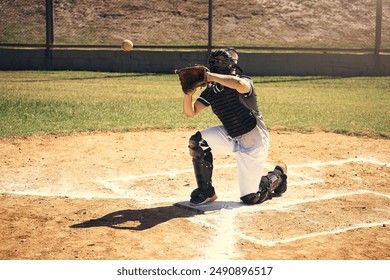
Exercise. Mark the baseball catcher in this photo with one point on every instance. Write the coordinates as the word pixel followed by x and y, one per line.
pixel 233 100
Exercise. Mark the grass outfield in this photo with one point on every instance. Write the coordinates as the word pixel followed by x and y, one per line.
pixel 39 102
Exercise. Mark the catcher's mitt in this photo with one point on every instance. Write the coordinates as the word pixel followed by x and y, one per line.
pixel 192 77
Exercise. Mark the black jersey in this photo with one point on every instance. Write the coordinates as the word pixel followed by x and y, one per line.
pixel 236 111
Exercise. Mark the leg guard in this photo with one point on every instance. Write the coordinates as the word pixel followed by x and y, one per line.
pixel 202 160
pixel 262 195
pixel 274 181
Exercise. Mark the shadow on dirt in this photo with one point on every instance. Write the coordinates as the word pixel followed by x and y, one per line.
pixel 139 219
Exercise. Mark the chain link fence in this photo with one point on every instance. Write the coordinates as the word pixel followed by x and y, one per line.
pixel 385 25
pixel 273 24
pixel 22 22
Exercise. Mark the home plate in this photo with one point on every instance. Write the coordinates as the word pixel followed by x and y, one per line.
pixel 209 207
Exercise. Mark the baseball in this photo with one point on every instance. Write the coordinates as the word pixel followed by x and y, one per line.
pixel 127 45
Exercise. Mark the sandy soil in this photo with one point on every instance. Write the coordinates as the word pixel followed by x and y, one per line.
pixel 112 195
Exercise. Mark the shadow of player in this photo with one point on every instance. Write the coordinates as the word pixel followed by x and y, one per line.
pixel 140 219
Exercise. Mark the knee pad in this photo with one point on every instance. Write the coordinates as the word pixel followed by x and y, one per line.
pixel 194 145
pixel 199 149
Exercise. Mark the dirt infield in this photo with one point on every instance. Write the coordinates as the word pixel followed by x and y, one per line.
pixel 111 196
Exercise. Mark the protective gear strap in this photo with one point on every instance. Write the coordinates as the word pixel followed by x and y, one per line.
pixel 271 181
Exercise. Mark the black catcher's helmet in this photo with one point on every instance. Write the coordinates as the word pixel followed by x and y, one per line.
pixel 224 61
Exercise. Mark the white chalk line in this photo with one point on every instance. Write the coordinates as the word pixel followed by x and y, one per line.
pixel 314 234
pixel 317 164
pixel 283 206
pixel 170 173
pixel 117 192
pixel 223 222
pixel 307 179
pixel 201 220
pixel 223 243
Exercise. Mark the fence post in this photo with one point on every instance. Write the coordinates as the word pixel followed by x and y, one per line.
pixel 378 26
pixel 210 31
pixel 49 24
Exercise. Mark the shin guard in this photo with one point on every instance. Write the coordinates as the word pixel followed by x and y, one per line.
pixel 275 181
pixel 202 161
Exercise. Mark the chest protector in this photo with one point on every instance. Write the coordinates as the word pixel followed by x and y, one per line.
pixel 228 106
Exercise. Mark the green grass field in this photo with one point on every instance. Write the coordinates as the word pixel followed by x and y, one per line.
pixel 55 102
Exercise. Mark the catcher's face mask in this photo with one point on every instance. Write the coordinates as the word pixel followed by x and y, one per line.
pixel 222 62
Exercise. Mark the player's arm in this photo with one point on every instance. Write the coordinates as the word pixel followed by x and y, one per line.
pixel 191 109
pixel 241 85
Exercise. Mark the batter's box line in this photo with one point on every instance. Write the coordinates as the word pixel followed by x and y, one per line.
pixel 311 235
pixel 308 180
pixel 170 173
pixel 283 205
pixel 110 183
pixel 319 164
pixel 175 172
pixel 272 207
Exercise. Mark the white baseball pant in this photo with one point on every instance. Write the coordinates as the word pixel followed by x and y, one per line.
pixel 250 149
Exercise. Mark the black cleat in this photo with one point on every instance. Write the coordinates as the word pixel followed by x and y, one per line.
pixel 200 196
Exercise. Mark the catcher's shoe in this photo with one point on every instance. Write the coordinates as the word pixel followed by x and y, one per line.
pixel 282 188
pixel 202 196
